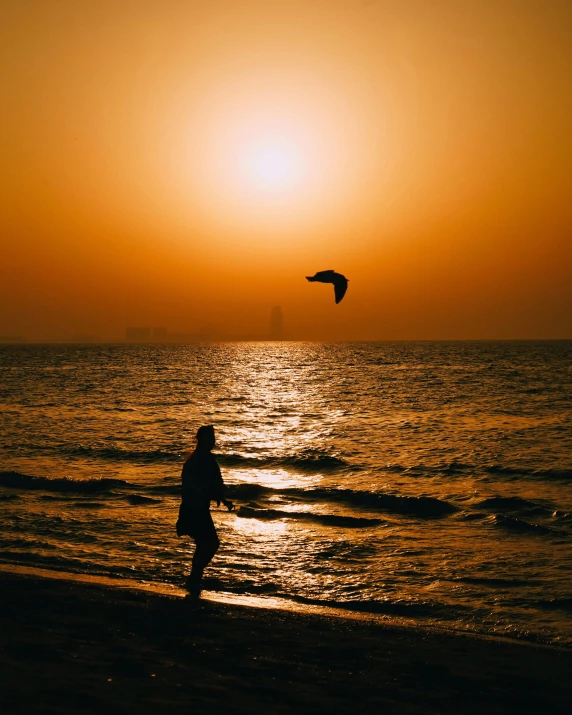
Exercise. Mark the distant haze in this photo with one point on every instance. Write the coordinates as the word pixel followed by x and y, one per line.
pixel 185 165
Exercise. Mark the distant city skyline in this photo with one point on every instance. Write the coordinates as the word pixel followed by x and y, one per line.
pixel 275 331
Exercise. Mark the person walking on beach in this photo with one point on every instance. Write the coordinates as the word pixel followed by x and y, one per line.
pixel 202 483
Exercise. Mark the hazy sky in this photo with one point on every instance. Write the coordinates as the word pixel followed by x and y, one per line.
pixel 187 163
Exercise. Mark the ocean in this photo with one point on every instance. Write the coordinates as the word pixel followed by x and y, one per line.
pixel 424 481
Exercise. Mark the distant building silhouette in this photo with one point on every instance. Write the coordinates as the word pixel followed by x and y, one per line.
pixel 160 334
pixel 138 335
pixel 276 323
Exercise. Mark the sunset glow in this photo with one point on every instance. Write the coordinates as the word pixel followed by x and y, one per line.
pixel 421 150
pixel 270 162
pixel 273 167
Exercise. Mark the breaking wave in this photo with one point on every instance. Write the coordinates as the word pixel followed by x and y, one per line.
pixel 311 463
pixel 351 522
pixel 511 523
pixel 428 507
pixel 373 501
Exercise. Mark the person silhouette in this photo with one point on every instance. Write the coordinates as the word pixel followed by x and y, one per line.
pixel 202 483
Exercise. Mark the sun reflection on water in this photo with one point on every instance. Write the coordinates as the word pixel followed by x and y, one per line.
pixel 281 408
pixel 272 478
pixel 258 529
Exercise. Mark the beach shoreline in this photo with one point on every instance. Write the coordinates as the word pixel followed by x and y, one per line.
pixel 273 603
pixel 73 645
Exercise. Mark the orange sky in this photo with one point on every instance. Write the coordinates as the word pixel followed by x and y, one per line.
pixel 180 164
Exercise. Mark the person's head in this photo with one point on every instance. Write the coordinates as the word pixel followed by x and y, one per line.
pixel 206 437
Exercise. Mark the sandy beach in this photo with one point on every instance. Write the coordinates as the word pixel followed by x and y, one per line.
pixel 68 647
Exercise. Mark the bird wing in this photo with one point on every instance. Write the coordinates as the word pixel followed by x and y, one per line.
pixel 340 287
pixel 324 276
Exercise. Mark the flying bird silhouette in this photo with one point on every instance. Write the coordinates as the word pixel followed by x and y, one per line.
pixel 340 282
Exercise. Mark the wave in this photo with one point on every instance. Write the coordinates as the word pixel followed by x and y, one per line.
pixel 307 462
pixel 506 503
pixel 511 523
pixel 324 519
pixel 552 604
pixel 16 480
pixel 495 582
pixel 452 468
pixel 373 606
pixel 124 455
pixel 373 501
pixel 136 499
pixel 392 608
pixel 67 485
pixel 447 468
pixel 421 506
pixel 527 472
pixel 250 492
pixel 394 503
pixel 553 473
pixel 427 507
pixel 302 462
pixel 310 462
pixel 516 513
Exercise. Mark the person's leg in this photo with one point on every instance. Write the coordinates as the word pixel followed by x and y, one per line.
pixel 204 553
pixel 207 544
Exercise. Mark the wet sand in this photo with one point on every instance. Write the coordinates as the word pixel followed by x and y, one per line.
pixel 68 647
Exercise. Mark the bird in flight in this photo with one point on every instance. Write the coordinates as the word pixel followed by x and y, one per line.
pixel 340 282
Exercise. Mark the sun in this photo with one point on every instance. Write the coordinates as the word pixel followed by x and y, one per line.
pixel 263 164
pixel 273 153
pixel 272 166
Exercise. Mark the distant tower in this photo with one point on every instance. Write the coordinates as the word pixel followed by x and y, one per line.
pixel 276 323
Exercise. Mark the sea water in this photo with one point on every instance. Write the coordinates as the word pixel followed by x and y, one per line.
pixel 429 481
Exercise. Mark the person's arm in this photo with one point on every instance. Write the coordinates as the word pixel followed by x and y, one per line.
pixel 220 489
pixel 228 503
